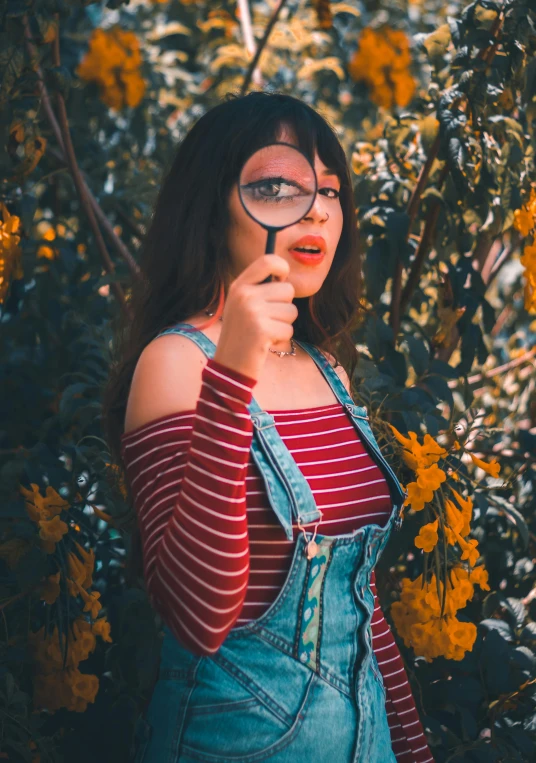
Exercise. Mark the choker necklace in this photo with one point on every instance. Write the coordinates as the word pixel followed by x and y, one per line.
pixel 276 352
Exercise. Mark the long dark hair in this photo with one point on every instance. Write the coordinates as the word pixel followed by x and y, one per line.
pixel 184 257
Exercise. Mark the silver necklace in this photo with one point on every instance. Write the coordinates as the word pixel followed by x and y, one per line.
pixel 276 352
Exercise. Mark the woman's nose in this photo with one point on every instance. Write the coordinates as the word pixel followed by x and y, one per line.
pixel 318 211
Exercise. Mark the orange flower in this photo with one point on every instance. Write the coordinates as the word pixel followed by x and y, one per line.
pixel 113 62
pixel 10 251
pixel 525 218
pixel 431 477
pixel 418 496
pixel 416 455
pixel 479 576
pixel 493 468
pixel 427 538
pixel 101 627
pixel 52 529
pixel 383 63
pixel 469 549
pixel 455 522
pixel 466 505
pixel 39 507
pixel 48 252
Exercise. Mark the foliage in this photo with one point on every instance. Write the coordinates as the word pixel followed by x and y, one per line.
pixel 435 107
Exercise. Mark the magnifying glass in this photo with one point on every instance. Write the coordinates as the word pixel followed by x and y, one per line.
pixel 277 187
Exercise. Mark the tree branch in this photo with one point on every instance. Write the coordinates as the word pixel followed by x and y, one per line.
pixel 260 47
pixel 61 156
pixel 249 39
pixel 525 358
pixel 119 245
pixel 401 298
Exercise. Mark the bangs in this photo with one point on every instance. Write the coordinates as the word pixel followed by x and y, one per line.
pixel 307 129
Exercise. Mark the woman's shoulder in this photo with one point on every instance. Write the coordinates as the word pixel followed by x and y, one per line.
pixel 167 379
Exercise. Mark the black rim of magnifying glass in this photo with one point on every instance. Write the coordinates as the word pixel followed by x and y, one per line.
pixel 313 196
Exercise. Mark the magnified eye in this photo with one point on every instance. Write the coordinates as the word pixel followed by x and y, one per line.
pixel 274 190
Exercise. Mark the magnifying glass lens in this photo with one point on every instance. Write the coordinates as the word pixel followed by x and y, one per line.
pixel 277 185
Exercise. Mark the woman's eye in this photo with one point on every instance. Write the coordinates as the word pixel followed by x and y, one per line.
pixel 333 190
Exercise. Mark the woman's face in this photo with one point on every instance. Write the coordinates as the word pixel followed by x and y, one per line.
pixel 247 239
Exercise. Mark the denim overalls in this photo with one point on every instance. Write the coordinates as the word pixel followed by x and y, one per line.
pixel 301 683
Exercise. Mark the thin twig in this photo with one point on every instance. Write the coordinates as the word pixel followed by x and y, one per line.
pixel 260 47
pixel 420 256
pixel 119 245
pixel 61 156
pixel 497 370
pixel 81 190
pixel 249 39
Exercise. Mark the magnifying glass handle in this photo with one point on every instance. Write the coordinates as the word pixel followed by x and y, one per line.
pixel 269 249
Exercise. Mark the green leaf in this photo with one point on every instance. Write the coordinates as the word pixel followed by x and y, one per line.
pixel 419 354
pixel 11 73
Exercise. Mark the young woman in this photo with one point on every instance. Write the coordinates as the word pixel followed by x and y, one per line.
pixel 261 496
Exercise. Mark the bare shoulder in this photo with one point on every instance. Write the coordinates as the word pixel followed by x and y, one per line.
pixel 166 380
pixel 339 370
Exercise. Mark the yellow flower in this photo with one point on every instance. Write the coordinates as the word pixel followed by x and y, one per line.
pixel 91 603
pixel 469 549
pixel 43 507
pixel 427 537
pixel 466 505
pixel 416 455
pixel 52 529
pixel 462 634
pixel 479 576
pixel 113 61
pixel 431 477
pixel 418 496
pixel 84 685
pixel 417 616
pixel 50 589
pixel 493 468
pixel 81 572
pixel 524 218
pixel 101 627
pixel 383 63
pixel 45 251
pixel 10 251
pixel 454 522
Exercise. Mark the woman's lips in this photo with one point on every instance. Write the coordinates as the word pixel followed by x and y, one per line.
pixel 307 259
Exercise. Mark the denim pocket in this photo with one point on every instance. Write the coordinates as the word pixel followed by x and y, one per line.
pixel 228 720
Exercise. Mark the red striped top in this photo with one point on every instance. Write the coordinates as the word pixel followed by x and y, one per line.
pixel 214 553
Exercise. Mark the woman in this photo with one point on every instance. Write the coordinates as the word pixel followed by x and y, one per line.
pixel 260 519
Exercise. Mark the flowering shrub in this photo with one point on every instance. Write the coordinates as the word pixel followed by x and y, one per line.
pixel 525 223
pixel 58 681
pixel 113 61
pixel 383 62
pixel 425 616
pixel 10 251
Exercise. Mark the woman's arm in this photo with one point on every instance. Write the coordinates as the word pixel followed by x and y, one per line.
pixel 187 476
pixel 407 735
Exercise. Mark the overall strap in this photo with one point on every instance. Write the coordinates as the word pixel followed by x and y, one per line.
pixel 360 420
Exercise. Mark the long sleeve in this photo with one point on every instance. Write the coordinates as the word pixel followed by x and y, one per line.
pixel 193 527
pixel 407 734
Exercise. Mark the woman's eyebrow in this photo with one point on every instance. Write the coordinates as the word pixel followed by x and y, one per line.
pixel 327 171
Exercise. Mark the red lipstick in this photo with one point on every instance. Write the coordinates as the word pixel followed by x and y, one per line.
pixel 309 250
